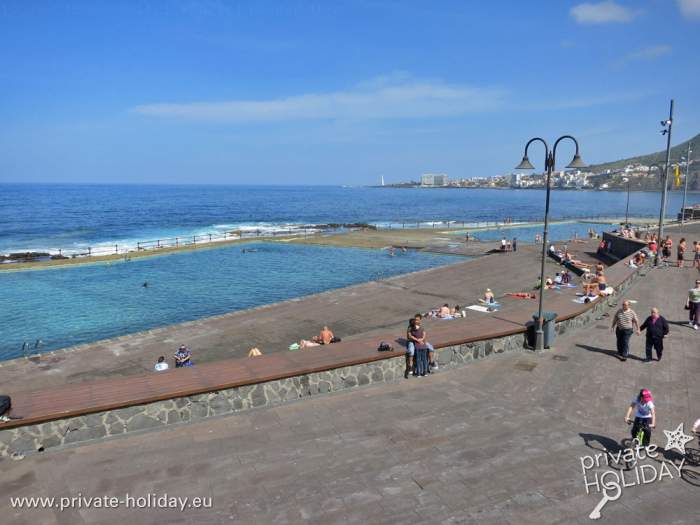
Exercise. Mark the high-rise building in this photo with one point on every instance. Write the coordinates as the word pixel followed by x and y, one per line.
pixel 433 179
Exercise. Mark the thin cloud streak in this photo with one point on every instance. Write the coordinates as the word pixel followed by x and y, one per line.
pixel 643 55
pixel 690 8
pixel 602 13
pixel 374 100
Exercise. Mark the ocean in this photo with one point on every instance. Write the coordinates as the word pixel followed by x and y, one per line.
pixel 49 217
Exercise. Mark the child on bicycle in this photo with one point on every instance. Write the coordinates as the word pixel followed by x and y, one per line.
pixel 644 416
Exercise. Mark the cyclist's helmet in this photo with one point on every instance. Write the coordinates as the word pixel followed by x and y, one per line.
pixel 645 395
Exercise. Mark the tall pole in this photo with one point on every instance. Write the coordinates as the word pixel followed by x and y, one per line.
pixel 685 186
pixel 539 334
pixel 662 213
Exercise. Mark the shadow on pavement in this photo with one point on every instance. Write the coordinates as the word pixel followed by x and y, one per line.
pixel 611 353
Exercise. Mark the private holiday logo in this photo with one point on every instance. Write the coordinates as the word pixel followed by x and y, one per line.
pixel 609 473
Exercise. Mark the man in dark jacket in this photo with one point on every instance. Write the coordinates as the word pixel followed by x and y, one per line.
pixel 657 328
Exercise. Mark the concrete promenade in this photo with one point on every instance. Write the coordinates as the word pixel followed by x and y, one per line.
pixel 377 306
pixel 498 441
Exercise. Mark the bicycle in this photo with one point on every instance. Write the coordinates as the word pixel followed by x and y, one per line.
pixel 643 435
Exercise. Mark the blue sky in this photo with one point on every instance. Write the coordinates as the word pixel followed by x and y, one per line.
pixel 337 92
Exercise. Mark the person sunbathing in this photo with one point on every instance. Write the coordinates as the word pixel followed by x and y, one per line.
pixel 325 337
pixel 488 297
pixel 444 311
pixel 565 277
pixel 304 343
pixel 522 295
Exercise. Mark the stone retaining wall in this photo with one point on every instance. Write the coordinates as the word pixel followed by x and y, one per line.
pixel 31 438
pixel 623 247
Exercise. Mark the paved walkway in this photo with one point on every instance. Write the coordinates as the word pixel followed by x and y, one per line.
pixel 498 441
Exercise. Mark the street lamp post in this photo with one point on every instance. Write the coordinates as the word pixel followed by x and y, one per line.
pixel 685 186
pixel 549 162
pixel 627 209
pixel 668 125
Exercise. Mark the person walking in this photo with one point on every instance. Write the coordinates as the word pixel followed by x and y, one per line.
pixel 693 306
pixel 657 328
pixel 515 244
pixel 625 322
pixel 680 252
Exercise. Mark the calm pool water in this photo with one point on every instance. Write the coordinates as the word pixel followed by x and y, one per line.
pixel 557 231
pixel 69 306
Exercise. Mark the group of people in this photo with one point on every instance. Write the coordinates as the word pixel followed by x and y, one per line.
pixel 392 250
pixel 666 246
pixel 508 245
pixel 626 323
pixel 325 337
pixel 182 357
pixel 445 312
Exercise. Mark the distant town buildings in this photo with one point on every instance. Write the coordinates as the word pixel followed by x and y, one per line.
pixel 638 176
pixel 433 179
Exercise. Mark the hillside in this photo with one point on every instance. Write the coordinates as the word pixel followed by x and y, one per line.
pixel 660 156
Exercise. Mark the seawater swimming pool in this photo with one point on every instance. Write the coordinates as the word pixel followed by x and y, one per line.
pixel 559 231
pixel 74 305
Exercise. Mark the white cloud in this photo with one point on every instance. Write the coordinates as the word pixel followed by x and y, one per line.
pixel 602 13
pixel 383 98
pixel 649 53
pixel 689 8
pixel 643 54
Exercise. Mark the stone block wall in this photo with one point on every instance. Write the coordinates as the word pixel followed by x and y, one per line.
pixel 622 247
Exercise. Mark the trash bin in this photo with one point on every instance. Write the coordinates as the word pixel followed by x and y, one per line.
pixel 547 327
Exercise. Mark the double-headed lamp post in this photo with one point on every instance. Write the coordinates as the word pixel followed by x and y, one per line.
pixel 685 186
pixel 627 209
pixel 549 162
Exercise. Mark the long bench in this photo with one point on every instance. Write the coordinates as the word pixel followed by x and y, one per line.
pixel 70 400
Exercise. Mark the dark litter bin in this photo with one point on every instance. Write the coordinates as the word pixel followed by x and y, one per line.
pixel 548 328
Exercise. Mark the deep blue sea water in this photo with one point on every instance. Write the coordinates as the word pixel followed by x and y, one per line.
pixel 73 217
pixel 73 305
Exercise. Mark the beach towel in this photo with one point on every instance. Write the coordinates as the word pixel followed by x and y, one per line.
pixel 582 300
pixel 480 308
pixel 294 346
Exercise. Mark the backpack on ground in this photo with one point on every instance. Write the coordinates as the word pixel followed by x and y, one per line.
pixel 5 405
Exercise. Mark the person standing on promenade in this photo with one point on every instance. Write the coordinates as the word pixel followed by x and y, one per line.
pixel 410 349
pixel 624 323
pixel 417 336
pixel 657 328
pixel 696 255
pixel 681 251
pixel 515 244
pixel 693 305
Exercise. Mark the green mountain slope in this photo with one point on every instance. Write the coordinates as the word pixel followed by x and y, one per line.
pixel 660 156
